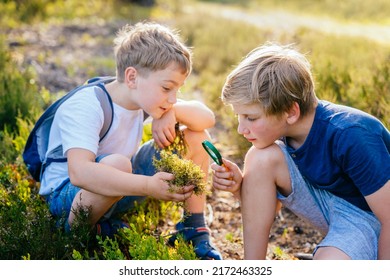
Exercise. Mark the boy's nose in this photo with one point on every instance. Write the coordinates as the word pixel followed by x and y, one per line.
pixel 241 129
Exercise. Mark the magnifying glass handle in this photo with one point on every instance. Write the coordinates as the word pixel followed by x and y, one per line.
pixel 214 154
pixel 230 178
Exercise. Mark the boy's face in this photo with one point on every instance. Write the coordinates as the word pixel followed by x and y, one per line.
pixel 256 127
pixel 157 90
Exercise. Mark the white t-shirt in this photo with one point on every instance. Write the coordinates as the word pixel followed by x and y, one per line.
pixel 77 124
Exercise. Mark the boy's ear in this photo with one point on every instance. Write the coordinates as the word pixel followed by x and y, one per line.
pixel 131 77
pixel 293 113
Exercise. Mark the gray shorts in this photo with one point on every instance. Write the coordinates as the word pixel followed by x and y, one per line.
pixel 345 226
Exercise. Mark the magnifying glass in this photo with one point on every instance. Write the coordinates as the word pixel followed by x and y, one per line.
pixel 213 152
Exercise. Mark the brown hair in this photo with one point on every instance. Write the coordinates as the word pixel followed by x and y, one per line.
pixel 273 76
pixel 149 46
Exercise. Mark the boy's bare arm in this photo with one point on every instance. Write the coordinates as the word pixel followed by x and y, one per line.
pixel 379 204
pixel 194 114
pixel 106 180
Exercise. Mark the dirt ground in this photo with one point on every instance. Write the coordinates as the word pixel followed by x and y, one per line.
pixel 290 237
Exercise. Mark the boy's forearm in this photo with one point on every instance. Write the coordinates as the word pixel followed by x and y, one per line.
pixel 195 115
pixel 109 181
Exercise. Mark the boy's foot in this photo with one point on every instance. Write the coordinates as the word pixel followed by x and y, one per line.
pixel 110 227
pixel 200 239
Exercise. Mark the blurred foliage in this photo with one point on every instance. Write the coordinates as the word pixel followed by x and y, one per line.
pixel 18 92
pixel 16 13
pixel 347 70
pixel 231 2
pixel 351 10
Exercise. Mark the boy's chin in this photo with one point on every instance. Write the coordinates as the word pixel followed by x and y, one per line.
pixel 261 145
pixel 157 116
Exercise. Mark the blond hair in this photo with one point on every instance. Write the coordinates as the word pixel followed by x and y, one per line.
pixel 149 46
pixel 273 76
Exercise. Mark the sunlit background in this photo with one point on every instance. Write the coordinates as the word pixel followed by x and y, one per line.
pixel 47 47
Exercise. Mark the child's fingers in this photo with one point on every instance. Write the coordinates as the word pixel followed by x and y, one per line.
pixel 165 176
pixel 217 167
pixel 224 185
pixel 187 189
pixel 223 179
pixel 223 173
pixel 228 164
pixel 183 193
pixel 161 139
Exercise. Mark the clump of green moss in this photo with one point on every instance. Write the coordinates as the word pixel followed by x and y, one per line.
pixel 186 172
pixel 179 145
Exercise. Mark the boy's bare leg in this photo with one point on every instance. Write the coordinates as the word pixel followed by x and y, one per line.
pixel 196 153
pixel 197 232
pixel 265 171
pixel 99 204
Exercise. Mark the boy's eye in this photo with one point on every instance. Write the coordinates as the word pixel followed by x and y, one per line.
pixel 251 119
pixel 166 89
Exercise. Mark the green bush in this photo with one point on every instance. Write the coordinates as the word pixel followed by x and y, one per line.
pixel 19 95
pixel 15 11
pixel 27 228
pixel 146 240
pixel 350 71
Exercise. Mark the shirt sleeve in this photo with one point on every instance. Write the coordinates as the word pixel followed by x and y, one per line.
pixel 80 121
pixel 364 157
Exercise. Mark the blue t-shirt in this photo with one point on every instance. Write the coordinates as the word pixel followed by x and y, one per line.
pixel 347 152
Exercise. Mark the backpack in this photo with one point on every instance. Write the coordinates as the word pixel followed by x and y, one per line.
pixel 34 154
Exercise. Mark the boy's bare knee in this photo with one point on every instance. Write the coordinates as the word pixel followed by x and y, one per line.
pixel 194 141
pixel 118 161
pixel 193 138
pixel 264 157
pixel 269 165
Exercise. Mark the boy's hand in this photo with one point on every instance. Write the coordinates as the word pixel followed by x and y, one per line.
pixel 227 177
pixel 158 188
pixel 163 129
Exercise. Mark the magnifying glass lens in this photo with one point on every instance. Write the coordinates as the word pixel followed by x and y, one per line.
pixel 213 152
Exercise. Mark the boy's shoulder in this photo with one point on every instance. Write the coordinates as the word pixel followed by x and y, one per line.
pixel 35 154
pixel 343 117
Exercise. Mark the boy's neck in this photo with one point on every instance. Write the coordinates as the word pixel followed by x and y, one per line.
pixel 121 95
pixel 300 130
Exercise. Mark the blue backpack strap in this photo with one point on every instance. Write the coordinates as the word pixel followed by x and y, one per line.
pixel 108 110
